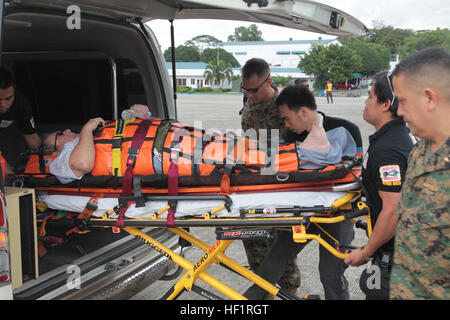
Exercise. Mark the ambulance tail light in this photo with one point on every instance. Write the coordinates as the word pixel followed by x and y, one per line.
pixel 4 268
pixel 2 213
pixel 4 255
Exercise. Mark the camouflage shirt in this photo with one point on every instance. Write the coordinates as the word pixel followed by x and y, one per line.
pixel 422 258
pixel 265 115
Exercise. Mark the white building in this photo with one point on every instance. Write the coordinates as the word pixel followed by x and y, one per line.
pixel 282 56
pixel 279 54
pixel 189 74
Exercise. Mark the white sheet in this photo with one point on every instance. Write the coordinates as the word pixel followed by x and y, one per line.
pixel 199 208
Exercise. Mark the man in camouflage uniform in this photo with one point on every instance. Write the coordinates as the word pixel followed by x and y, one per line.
pixel 260 112
pixel 383 172
pixel 422 259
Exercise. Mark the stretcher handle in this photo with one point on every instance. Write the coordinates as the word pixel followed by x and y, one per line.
pixel 225 198
pixel 339 218
pixel 356 213
pixel 228 202
pixel 361 225
pixel 296 210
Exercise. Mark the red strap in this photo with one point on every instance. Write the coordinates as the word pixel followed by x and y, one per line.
pixel 172 191
pixel 3 166
pixel 136 144
pixel 173 183
pixel 225 184
pixel 122 211
pixel 91 206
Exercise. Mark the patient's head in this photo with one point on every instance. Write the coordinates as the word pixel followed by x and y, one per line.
pixel 54 142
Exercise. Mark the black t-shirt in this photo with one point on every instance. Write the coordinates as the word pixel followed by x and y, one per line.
pixel 384 166
pixel 19 113
pixel 330 123
pixel 14 123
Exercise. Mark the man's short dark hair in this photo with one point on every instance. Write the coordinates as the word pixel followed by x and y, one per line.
pixel 430 66
pixel 383 91
pixel 255 66
pixel 296 96
pixel 6 79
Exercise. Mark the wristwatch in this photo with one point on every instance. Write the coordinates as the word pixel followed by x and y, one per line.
pixel 365 256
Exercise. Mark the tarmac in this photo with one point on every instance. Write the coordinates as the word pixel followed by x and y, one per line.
pixel 221 112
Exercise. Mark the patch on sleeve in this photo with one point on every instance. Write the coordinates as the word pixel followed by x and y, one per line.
pixel 390 175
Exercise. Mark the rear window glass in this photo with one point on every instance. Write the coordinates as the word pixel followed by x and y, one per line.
pixel 68 91
pixel 71 91
pixel 130 88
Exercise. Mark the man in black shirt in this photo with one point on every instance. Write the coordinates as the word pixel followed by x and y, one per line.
pixel 298 111
pixel 16 117
pixel 384 168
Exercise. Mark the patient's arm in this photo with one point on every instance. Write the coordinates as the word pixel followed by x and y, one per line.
pixel 315 155
pixel 316 140
pixel 83 156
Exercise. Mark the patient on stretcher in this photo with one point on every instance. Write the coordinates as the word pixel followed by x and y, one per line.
pixel 76 152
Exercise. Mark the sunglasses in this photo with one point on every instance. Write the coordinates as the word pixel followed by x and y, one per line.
pixel 58 134
pixel 388 78
pixel 254 90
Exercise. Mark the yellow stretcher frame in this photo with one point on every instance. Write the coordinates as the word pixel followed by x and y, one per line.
pixel 216 252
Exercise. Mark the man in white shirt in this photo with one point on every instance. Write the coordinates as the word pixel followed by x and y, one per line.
pixel 76 152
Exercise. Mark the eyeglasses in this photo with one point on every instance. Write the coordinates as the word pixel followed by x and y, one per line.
pixel 58 134
pixel 388 78
pixel 254 90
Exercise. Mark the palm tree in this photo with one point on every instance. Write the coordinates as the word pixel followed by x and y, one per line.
pixel 210 72
pixel 217 73
pixel 225 72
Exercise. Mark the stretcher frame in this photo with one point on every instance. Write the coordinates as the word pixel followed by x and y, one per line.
pixel 339 211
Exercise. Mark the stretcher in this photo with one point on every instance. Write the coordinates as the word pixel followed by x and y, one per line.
pixel 237 211
pixel 243 214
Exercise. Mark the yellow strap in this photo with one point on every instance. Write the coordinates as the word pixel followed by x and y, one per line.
pixel 117 152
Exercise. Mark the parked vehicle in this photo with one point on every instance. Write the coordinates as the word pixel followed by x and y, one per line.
pixel 343 85
pixel 81 59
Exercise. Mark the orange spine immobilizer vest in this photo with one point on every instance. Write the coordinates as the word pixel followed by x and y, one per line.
pixel 198 153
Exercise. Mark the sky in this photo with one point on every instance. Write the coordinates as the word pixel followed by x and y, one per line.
pixel 404 14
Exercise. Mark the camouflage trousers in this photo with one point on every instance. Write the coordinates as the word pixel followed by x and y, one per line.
pixel 256 250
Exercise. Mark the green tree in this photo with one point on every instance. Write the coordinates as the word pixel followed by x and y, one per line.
pixel 334 62
pixel 385 36
pixel 388 36
pixel 216 73
pixel 281 81
pixel 211 54
pixel 250 33
pixel 202 42
pixel 183 54
pixel 374 57
pixel 426 39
